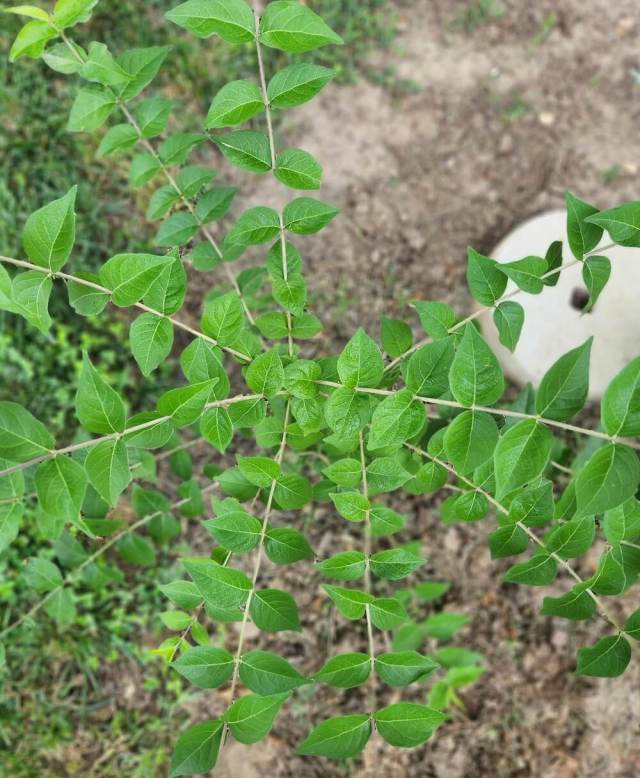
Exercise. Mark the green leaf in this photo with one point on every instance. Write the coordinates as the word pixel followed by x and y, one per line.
pixel 386 474
pixel 91 109
pixel 387 613
pixel 143 168
pixel 385 521
pixel 236 531
pixel 61 608
pixel 350 602
pixel 297 169
pixel 622 522
pixel 196 750
pixel 131 276
pixel 273 610
pixel 352 506
pixel 395 564
pixel 360 363
pixel 345 566
pixel 265 375
pixel 284 546
pixel 69 12
pixel 107 466
pixel 296 84
pixel 136 550
pixel 632 625
pixel 610 477
pixel 344 472
pixel 404 667
pixel 151 339
pixel 50 232
pixel 572 605
pixel 22 436
pixel 246 149
pixel 62 59
pixel 216 428
pixel 294 28
pixel 31 40
pixel 260 471
pixel 213 205
pixel 42 575
pixel 61 484
pixel 406 724
pixel 221 587
pixel 31 293
pixel 340 737
pixel 177 147
pixel 508 540
pixel 235 103
pixel 428 368
pixel 444 626
pixel 540 570
pixel 177 230
pixel 564 388
pixel 251 717
pixel 345 671
pixel 255 226
pixel 141 65
pixel 621 402
pixel 470 440
pixel 223 318
pixel 533 506
pixel 608 658
pixel 595 274
pixel 573 538
pixel 186 404
pixel 622 223
pixel 582 235
pixel 526 273
pixel 553 258
pixel 346 412
pixel 266 673
pixel 99 408
pixel 475 376
pixel 100 66
pixel 30 11
pixel 205 666
pixel 396 337
pixel 118 138
pixel 232 20
pixel 306 215
pixel 397 418
pixel 509 318
pixel 521 455
pixel 485 278
pixel 152 116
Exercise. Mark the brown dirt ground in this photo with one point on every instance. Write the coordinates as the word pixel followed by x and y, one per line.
pixel 501 126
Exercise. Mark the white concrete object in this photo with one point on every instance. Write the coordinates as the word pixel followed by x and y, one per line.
pixel 554 323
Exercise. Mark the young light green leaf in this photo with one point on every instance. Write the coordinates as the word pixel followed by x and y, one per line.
pixel 117 138
pixel 91 109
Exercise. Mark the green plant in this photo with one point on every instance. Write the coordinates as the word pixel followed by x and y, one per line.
pixel 343 430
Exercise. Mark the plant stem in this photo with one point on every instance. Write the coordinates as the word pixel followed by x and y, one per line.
pixel 116 435
pixel 367 578
pixel 495 411
pixel 104 290
pixel 258 562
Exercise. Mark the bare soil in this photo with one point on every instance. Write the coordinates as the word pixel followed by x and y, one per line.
pixel 504 121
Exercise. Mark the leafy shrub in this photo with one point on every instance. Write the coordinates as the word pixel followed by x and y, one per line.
pixel 345 430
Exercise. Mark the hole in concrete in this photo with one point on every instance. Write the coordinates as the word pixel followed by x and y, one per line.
pixel 579 298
